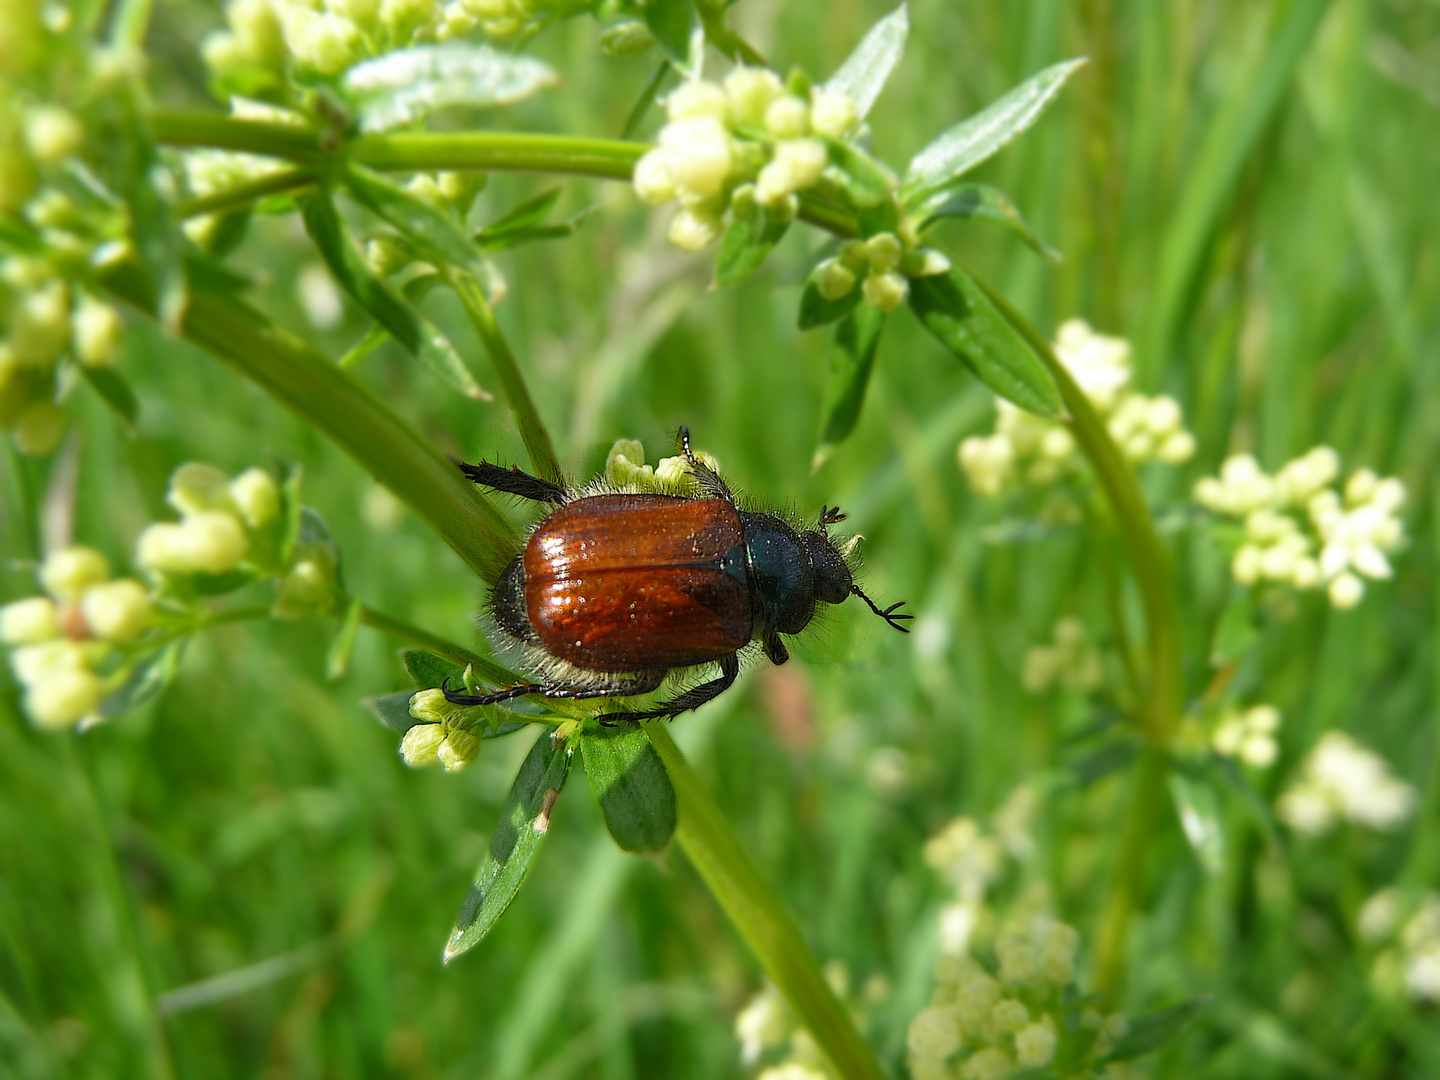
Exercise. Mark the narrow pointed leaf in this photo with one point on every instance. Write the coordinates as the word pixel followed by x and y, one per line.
pixel 435 232
pixel 405 86
pixel 748 239
pixel 527 215
pixel 981 202
pixel 150 675
pixel 392 710
pixel 863 74
pixel 673 23
pixel 973 140
pixel 1198 808
pixel 632 786
pixel 815 310
pixel 961 317
pixel 115 392
pixel 337 659
pixel 867 182
pixel 851 360
pixel 1152 1031
pixel 523 825
pixel 426 670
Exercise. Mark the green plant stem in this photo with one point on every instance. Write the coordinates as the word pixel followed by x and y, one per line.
pixel 756 912
pixel 399 628
pixel 512 383
pixel 216 131
pixel 498 151
pixel 129 23
pixel 351 415
pixel 244 195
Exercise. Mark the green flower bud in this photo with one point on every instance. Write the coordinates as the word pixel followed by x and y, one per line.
pixel 196 487
pixel 68 572
pixel 386 256
pixel 52 133
pixel 885 292
pixel 751 91
pixel 431 707
pixel 692 230
pixel 403 17
pixel 39 428
pixel 883 251
pixel 97 329
pixel 628 38
pixel 832 113
pixel 328 43
pixel 426 187
pixel 309 587
pixel 459 749
pixel 421 744
pixel 855 255
pixel 624 459
pixel 65 698
pixel 256 496
pixel 833 279
pixel 40 325
pixel 117 611
pixel 695 100
pixel 29 621
pixel 926 262
pixel 460 188
pixel 360 12
pixel 787 117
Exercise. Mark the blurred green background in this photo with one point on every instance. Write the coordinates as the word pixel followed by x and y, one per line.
pixel 244 880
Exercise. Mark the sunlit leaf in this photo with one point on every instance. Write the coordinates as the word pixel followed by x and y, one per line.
pixel 863 74
pixel 961 317
pixel 522 827
pixel 427 670
pixel 973 140
pixel 148 677
pixel 1198 808
pixel 981 202
pixel 751 235
pixel 851 360
pixel 632 786
pixel 405 86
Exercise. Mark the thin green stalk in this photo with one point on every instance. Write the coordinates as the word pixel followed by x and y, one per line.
pixel 128 26
pixel 757 914
pixel 512 383
pixel 244 195
pixel 399 628
pixel 498 151
pixel 216 131
pixel 351 415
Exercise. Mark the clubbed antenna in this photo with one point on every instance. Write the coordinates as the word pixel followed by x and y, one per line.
pixel 830 515
pixel 889 613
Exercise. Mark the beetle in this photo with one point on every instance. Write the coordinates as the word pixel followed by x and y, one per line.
pixel 616 589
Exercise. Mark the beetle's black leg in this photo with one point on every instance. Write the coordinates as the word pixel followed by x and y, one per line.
pixel 514 482
pixel 642 683
pixel 494 698
pixel 891 614
pixel 705 477
pixel 690 699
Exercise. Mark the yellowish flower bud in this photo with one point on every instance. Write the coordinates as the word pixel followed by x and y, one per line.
pixel 855 255
pixel 257 497
pixel 40 325
pixel 328 43
pixel 627 38
pixel 833 279
pixel 459 749
pixel 360 12
pixel 654 185
pixel 1346 591
pixel 1361 487
pixel 991 1063
pixel 421 745
pixel 117 610
pixel 885 292
pixel 804 159
pixel 1009 1016
pixel 787 117
pixel 39 428
pixel 52 133
pixel 1245 567
pixel 29 621
pixel 1017 960
pixel 33 664
pixel 883 251
pixel 751 91
pixel 64 698
pixel 70 571
pixel 832 113
pixel 432 707
pixel 308 587
pixel 403 17
pixel 209 542
pixel 1035 1044
pixel 1177 448
pixel 97 327
pixel 697 154
pixel 697 99
pixel 692 230
pixel 196 487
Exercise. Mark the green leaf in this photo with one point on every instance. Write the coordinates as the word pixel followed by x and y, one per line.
pixel 1110 758
pixel 981 202
pixel 392 710
pixel 646 99
pixel 672 22
pixel 148 677
pixel 529 213
pixel 524 224
pixel 866 181
pixel 435 232
pixel 851 360
pixel 632 785
pixel 114 391
pixel 1198 808
pixel 863 74
pixel 974 140
pixel 1150 1032
pixel 748 239
pixel 815 310
pixel 426 670
pixel 1235 632
pixel 337 659
pixel 523 825
pixel 961 317
pixel 417 335
pixel 405 86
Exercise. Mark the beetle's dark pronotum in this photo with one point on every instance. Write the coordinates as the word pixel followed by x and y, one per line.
pixel 615 590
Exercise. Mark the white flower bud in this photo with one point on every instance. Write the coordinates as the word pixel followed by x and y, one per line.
pixel 97 327
pixel 258 33
pixel 459 749
pixel 1277 563
pixel 1162 416
pixel 833 279
pixel 934 1033
pixel 751 92
pixel 1370 561
pixel 1017 960
pixel 34 664
pixel 1389 494
pixel 209 542
pixel 257 497
pixel 926 262
pixel 64 698
pixel 70 571
pixel 1057 444
pixel 328 43
pixel 1346 591
pixel 117 610
pixel 1259 751
pixel 29 621
pixel 1009 1016
pixel 698 155
pixel 883 252
pixel 52 133
pixel 1035 1045
pixel 1210 493
pixel 885 292
pixel 787 117
pixel 1245 567
pixel 692 231
pixel 1138 446
pixel 774 185
pixel 421 745
pixel 805 160
pixel 832 113
pixel 39 428
pixel 991 1063
pixel 697 99
pixel 1361 487
pixel 1263 718
pixel 1177 448
pixel 654 185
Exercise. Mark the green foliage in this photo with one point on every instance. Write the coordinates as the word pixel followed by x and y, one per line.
pixel 632 785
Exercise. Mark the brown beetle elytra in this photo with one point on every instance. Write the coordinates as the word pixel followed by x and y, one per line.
pixel 615 590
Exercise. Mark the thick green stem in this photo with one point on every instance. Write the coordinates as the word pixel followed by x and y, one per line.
pixel 512 383
pixel 215 131
pixel 352 416
pixel 736 883
pixel 502 151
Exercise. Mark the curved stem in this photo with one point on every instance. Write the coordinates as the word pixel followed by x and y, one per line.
pixel 243 195
pixel 757 914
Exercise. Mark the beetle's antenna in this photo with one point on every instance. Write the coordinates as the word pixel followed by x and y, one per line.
pixel 831 515
pixel 888 614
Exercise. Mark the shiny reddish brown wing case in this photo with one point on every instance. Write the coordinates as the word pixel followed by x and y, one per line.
pixel 611 579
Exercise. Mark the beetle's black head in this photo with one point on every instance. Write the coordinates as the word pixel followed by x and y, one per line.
pixel 790 573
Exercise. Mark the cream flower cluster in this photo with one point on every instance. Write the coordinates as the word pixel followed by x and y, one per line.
pixel 1071 662
pixel 1249 734
pixel 1410 924
pixel 748 139
pixel 1299 528
pixel 1341 781
pixel 70 645
pixel 626 470
pixel 218 518
pixel 1026 449
pixel 443 735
